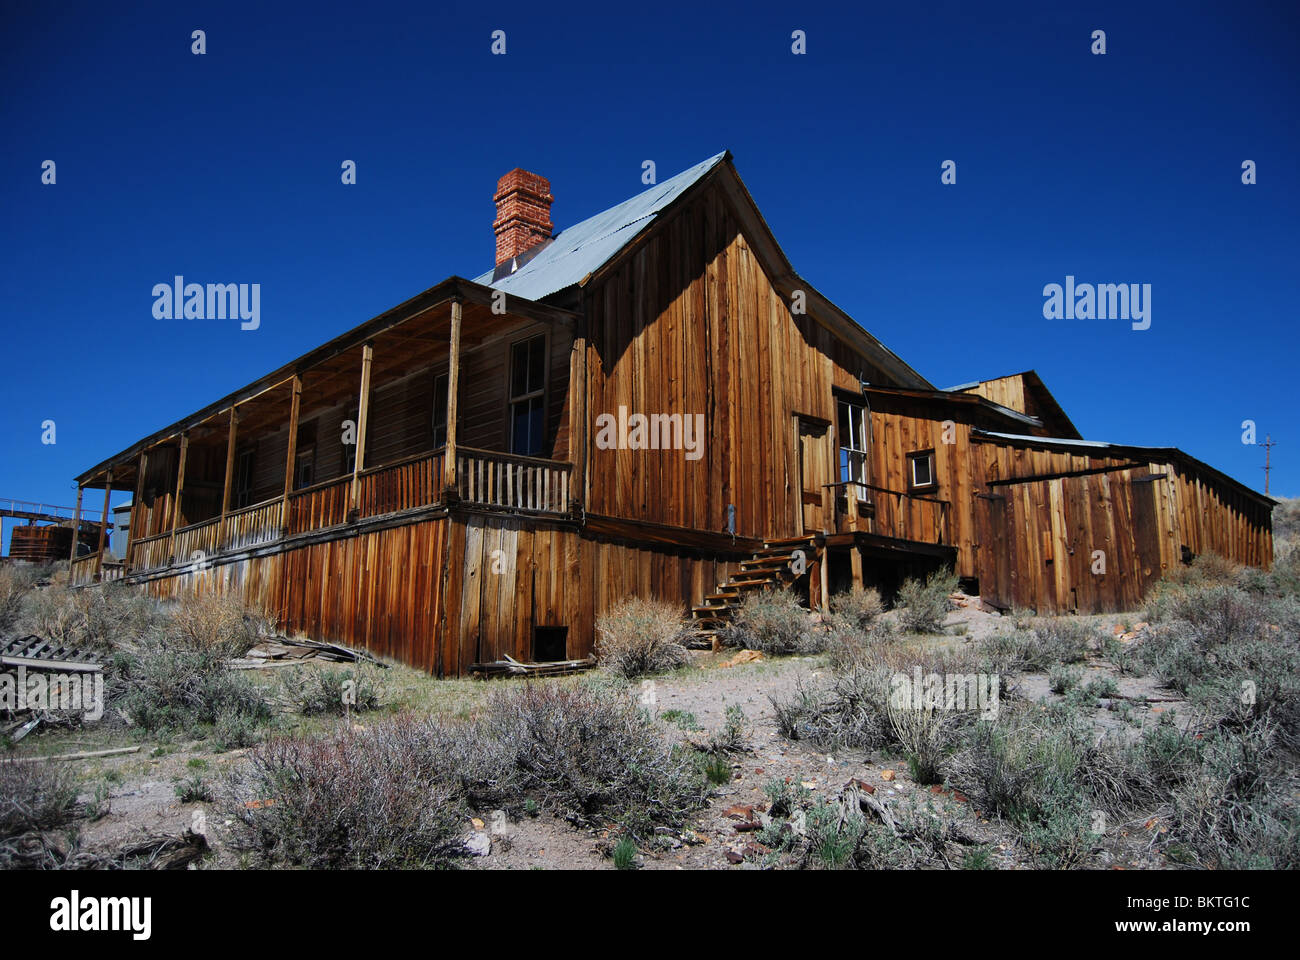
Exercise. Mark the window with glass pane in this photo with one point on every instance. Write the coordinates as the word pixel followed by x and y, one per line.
pixel 527 396
pixel 921 470
pixel 853 441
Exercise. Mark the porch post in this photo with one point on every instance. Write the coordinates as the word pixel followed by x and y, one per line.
pixel 76 530
pixel 824 579
pixel 453 382
pixel 294 404
pixel 363 418
pixel 103 523
pixel 180 492
pixel 578 424
pixel 230 471
pixel 131 534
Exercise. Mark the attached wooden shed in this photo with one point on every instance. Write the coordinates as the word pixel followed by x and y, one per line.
pixel 1072 525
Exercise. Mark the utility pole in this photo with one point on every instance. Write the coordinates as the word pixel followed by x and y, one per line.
pixel 1268 445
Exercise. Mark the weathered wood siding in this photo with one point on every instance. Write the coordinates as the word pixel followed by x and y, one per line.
pixel 1037 531
pixel 689 323
pixel 442 594
pixel 380 590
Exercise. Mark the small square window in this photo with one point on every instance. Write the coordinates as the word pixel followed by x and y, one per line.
pixel 920 470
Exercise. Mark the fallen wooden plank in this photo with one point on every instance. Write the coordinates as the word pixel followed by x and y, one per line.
pixel 84 755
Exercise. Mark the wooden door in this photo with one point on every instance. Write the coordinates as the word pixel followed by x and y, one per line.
pixel 994 553
pixel 816 459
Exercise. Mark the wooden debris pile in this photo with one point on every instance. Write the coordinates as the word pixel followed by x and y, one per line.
pixel 56 850
pixel 37 653
pixel 55 660
pixel 510 667
pixel 281 651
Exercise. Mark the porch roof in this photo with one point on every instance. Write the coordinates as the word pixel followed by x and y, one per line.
pixel 453 288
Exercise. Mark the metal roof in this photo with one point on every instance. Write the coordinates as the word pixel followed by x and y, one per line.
pixel 585 247
pixel 1121 448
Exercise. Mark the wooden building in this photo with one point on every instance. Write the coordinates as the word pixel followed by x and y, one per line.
pixel 650 402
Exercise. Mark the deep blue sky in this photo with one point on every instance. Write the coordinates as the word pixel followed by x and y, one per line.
pixel 226 168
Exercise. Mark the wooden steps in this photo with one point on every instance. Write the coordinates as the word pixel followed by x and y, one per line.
pixel 767 569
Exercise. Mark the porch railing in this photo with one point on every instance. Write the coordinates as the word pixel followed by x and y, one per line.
pixel 197 541
pixel 512 482
pixel 253 525
pixel 485 478
pixel 150 553
pixel 83 570
pixel 865 508
pixel 402 485
pixel 320 506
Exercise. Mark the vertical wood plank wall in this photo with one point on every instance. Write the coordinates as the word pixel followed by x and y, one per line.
pixel 689 323
pixel 442 594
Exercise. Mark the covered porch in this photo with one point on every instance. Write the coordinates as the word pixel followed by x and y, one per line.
pixel 456 397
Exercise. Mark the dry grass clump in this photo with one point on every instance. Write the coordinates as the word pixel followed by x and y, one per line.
pixel 639 637
pixel 98 618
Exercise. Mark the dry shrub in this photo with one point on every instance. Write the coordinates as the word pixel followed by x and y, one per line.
pixel 852 711
pixel 640 637
pixel 849 647
pixel 35 796
pixel 99 618
pixel 924 605
pixel 15 583
pixel 397 793
pixel 773 622
pixel 859 607
pixel 331 691
pixel 379 797
pixel 164 686
pixel 219 624
pixel 1039 644
pixel 587 751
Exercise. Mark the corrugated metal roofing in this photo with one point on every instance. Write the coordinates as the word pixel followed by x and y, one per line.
pixel 585 247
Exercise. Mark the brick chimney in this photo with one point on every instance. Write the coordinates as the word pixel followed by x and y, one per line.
pixel 523 218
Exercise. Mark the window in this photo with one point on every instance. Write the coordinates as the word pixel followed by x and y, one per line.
pixel 304 463
pixel 440 410
pixel 920 470
pixel 304 468
pixel 242 494
pixel 853 441
pixel 528 396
